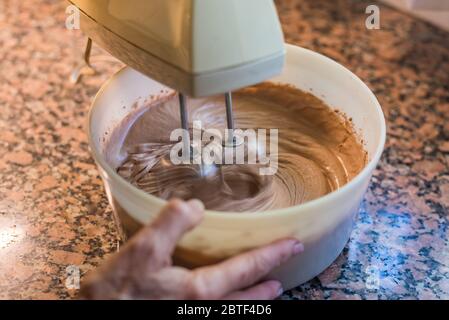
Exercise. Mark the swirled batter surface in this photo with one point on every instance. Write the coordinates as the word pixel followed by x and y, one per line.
pixel 318 151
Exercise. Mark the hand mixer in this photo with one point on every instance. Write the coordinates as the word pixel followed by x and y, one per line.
pixel 197 47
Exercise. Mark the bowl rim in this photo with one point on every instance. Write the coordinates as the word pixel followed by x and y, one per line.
pixel 229 215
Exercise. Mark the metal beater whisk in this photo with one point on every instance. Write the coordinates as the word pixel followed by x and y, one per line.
pixel 185 120
pixel 208 170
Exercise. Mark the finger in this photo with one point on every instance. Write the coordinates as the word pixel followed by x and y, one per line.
pixel 175 219
pixel 267 290
pixel 244 270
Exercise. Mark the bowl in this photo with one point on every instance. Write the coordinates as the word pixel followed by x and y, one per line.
pixel 324 225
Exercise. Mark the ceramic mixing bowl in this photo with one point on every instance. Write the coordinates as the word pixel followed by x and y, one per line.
pixel 323 225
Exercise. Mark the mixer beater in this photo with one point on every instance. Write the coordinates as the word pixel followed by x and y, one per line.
pixel 208 170
pixel 229 116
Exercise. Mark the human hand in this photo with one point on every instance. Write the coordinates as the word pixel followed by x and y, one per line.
pixel 143 268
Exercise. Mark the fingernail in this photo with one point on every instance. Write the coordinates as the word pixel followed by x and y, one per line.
pixel 196 204
pixel 280 291
pixel 298 248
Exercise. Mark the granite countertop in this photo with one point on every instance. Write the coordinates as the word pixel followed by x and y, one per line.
pixel 53 211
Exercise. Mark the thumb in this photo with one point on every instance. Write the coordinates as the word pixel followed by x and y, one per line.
pixel 175 219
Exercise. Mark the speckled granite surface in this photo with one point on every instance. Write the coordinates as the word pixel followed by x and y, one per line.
pixel 53 212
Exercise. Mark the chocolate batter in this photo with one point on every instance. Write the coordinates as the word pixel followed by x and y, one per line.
pixel 318 151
